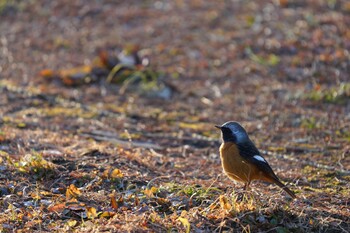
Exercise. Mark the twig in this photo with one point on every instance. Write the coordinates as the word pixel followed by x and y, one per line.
pixel 111 137
pixel 154 179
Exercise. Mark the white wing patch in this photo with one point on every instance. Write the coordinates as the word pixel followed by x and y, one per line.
pixel 258 157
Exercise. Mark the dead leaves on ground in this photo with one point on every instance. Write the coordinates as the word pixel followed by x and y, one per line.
pixel 126 68
pixel 35 165
pixel 251 61
pixel 110 64
pixel 112 173
pixel 74 208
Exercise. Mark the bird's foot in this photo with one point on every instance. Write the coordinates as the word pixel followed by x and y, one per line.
pixel 238 195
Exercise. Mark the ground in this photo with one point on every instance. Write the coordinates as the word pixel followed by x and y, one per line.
pixel 109 155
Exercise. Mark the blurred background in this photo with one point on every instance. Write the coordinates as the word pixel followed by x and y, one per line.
pixel 276 65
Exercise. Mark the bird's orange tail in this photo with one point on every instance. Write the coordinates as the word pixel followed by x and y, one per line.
pixel 287 190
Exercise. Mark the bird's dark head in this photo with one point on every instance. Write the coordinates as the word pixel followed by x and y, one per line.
pixel 233 132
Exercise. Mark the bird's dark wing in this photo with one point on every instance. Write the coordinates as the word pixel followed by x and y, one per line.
pixel 250 153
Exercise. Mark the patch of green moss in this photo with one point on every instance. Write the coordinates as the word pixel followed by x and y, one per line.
pixel 336 95
pixel 35 165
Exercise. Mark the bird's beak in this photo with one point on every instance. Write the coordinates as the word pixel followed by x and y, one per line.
pixel 218 126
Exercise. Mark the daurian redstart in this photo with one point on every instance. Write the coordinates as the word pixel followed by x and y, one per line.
pixel 241 160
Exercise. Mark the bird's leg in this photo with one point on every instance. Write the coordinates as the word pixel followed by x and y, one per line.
pixel 241 195
pixel 245 188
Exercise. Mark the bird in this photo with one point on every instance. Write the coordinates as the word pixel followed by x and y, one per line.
pixel 242 161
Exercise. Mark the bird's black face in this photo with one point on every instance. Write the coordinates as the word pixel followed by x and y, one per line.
pixel 233 132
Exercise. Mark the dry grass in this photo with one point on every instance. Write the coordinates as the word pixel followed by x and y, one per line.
pixel 93 158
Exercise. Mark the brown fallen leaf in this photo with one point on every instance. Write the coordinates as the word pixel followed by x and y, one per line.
pixel 91 212
pixel 47 73
pixel 72 192
pixel 57 207
pixel 224 203
pixel 107 214
pixel 75 206
pixel 150 192
pixel 114 203
pixel 116 173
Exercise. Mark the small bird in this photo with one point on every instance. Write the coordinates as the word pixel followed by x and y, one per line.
pixel 241 160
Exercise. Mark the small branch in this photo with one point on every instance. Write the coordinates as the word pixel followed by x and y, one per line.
pixel 100 135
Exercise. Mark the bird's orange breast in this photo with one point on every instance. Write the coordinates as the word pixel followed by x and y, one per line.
pixel 234 165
